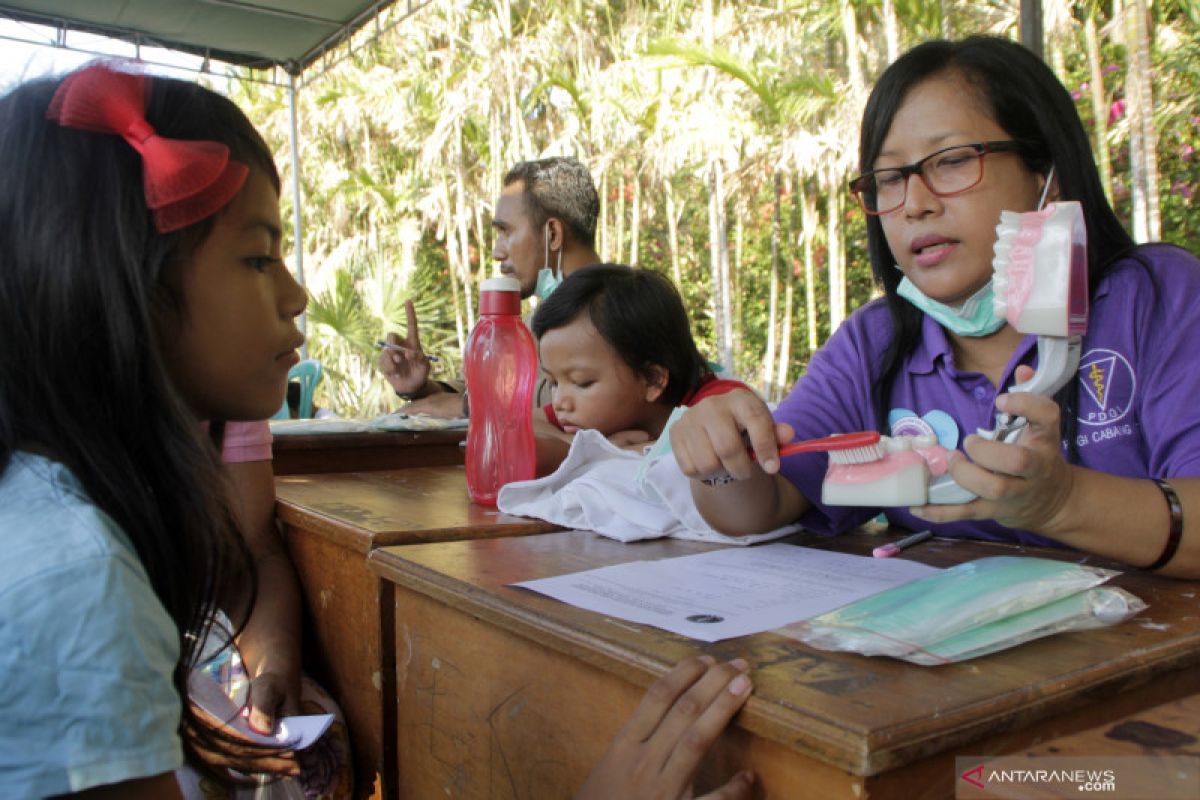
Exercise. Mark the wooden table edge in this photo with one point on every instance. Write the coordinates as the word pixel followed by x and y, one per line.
pixel 363 439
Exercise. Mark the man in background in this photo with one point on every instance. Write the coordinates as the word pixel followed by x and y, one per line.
pixel 545 224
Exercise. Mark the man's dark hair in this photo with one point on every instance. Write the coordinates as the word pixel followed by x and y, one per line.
pixel 562 188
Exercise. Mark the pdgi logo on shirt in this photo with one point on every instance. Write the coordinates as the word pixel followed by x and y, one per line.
pixel 1107 386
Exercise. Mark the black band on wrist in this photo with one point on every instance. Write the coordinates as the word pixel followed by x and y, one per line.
pixel 1176 532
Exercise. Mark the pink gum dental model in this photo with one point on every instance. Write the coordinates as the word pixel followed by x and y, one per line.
pixel 867 469
pixel 906 471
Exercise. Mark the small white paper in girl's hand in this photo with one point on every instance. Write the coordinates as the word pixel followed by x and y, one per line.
pixel 300 731
pixel 292 733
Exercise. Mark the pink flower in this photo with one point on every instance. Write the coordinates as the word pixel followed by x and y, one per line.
pixel 1111 68
pixel 1182 189
pixel 1186 152
pixel 1116 111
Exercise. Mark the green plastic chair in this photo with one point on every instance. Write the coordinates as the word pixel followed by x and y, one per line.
pixel 307 374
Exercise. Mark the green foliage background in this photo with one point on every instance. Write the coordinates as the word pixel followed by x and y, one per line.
pixel 670 103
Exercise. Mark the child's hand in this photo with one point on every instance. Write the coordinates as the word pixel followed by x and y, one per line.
pixel 657 752
pixel 250 758
pixel 272 695
pixel 710 437
pixel 1022 485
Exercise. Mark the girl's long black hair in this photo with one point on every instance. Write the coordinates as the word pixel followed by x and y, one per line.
pixel 1024 97
pixel 88 288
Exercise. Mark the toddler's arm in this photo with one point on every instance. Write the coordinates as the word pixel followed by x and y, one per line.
pixel 550 443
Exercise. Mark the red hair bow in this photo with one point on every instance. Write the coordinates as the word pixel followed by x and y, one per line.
pixel 185 180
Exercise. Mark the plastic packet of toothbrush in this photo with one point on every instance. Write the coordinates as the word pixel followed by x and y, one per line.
pixel 974 608
pixel 1094 608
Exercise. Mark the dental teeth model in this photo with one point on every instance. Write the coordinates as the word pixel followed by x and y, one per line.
pixel 1040 270
pixel 906 471
pixel 1041 287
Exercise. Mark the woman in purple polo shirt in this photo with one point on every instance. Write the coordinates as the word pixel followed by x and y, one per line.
pixel 1109 465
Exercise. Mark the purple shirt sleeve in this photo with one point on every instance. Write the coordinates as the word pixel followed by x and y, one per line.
pixel 1138 381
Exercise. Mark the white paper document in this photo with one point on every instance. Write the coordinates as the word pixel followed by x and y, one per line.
pixel 730 592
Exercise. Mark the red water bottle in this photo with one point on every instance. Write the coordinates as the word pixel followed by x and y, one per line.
pixel 500 366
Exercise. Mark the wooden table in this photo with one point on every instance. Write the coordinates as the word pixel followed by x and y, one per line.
pixel 331 522
pixel 505 693
pixel 299 454
pixel 1156 750
pixel 1172 728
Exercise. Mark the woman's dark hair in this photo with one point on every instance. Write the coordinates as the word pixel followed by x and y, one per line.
pixel 1017 90
pixel 641 316
pixel 88 288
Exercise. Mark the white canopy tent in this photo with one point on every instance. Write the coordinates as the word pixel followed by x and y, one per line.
pixel 264 34
pixel 288 41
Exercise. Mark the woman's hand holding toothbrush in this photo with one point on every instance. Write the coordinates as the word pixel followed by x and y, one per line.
pixel 735 493
pixel 711 437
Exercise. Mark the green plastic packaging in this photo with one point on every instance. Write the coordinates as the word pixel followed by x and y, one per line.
pixel 972 609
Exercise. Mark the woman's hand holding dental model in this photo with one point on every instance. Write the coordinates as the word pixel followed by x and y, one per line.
pixel 1030 485
pixel 1024 485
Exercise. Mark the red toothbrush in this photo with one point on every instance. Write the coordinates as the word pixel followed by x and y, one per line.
pixel 859 447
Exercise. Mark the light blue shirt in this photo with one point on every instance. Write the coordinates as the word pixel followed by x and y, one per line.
pixel 86 649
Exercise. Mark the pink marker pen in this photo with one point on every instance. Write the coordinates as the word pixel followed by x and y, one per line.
pixel 893 548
